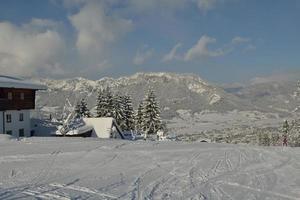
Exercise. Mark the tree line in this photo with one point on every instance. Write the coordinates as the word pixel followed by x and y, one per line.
pixel 145 119
pixel 290 130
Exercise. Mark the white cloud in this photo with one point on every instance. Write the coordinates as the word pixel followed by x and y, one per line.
pixel 172 54
pixel 276 77
pixel 206 5
pixel 30 49
pixel 95 28
pixel 142 56
pixel 250 47
pixel 239 40
pixel 156 5
pixel 200 50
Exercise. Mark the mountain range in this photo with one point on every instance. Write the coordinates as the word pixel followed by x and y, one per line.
pixel 174 92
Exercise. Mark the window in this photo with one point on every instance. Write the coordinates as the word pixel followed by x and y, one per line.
pixel 21 132
pixel 9 132
pixel 21 117
pixel 8 118
pixel 9 96
pixel 22 96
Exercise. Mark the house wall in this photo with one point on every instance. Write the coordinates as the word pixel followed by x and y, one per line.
pixel 1 122
pixel 16 124
pixel 16 103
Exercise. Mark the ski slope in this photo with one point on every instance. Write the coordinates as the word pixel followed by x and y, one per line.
pixel 76 168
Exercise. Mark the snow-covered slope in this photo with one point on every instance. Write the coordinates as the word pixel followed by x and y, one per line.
pixel 174 91
pixel 76 168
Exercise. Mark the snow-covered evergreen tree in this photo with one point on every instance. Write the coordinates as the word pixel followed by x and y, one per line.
pixel 139 117
pixel 81 109
pixel 294 134
pixel 263 139
pixel 275 139
pixel 151 122
pixel 128 113
pixel 118 110
pixel 105 103
pixel 77 110
pixel 110 103
pixel 285 128
pixel 101 105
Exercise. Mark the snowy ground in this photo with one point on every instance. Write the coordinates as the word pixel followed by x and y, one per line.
pixel 188 123
pixel 76 168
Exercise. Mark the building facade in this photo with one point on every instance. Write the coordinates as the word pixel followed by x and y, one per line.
pixel 17 99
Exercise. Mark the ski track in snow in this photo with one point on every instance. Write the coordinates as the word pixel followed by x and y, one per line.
pixel 112 169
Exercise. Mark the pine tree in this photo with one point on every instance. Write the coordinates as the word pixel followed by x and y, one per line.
pixel 285 127
pixel 105 103
pixel 109 112
pixel 151 122
pixel 275 139
pixel 128 113
pixel 294 134
pixel 139 117
pixel 81 109
pixel 263 139
pixel 118 110
pixel 77 111
pixel 297 96
pixel 101 104
pixel 266 139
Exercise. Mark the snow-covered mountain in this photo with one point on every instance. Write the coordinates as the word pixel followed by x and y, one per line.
pixel 174 92
pixel 275 96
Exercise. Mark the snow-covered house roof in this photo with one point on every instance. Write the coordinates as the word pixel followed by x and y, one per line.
pixel 13 82
pixel 104 127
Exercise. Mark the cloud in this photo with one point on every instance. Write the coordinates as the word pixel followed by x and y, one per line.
pixel 250 47
pixel 239 40
pixel 96 28
pixel 200 50
pixel 276 77
pixel 172 54
pixel 206 5
pixel 30 49
pixel 142 55
pixel 141 6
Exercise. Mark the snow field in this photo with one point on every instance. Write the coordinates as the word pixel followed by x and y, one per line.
pixel 76 168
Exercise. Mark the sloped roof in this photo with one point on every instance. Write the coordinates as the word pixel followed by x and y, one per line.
pixel 102 126
pixel 13 82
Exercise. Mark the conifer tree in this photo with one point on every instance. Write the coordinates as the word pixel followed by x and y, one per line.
pixel 139 117
pixel 128 113
pixel 101 104
pixel 294 134
pixel 151 122
pixel 264 139
pixel 81 109
pixel 77 110
pixel 110 103
pixel 275 139
pixel 118 110
pixel 105 103
pixel 285 127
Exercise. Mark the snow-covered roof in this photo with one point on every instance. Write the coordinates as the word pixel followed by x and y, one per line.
pixel 102 126
pixel 13 82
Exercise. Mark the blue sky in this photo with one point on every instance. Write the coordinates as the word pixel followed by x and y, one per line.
pixel 221 40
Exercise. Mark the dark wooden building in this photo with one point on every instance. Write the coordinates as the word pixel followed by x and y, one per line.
pixel 17 98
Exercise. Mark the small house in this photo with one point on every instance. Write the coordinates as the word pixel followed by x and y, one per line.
pixel 17 99
pixel 104 127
